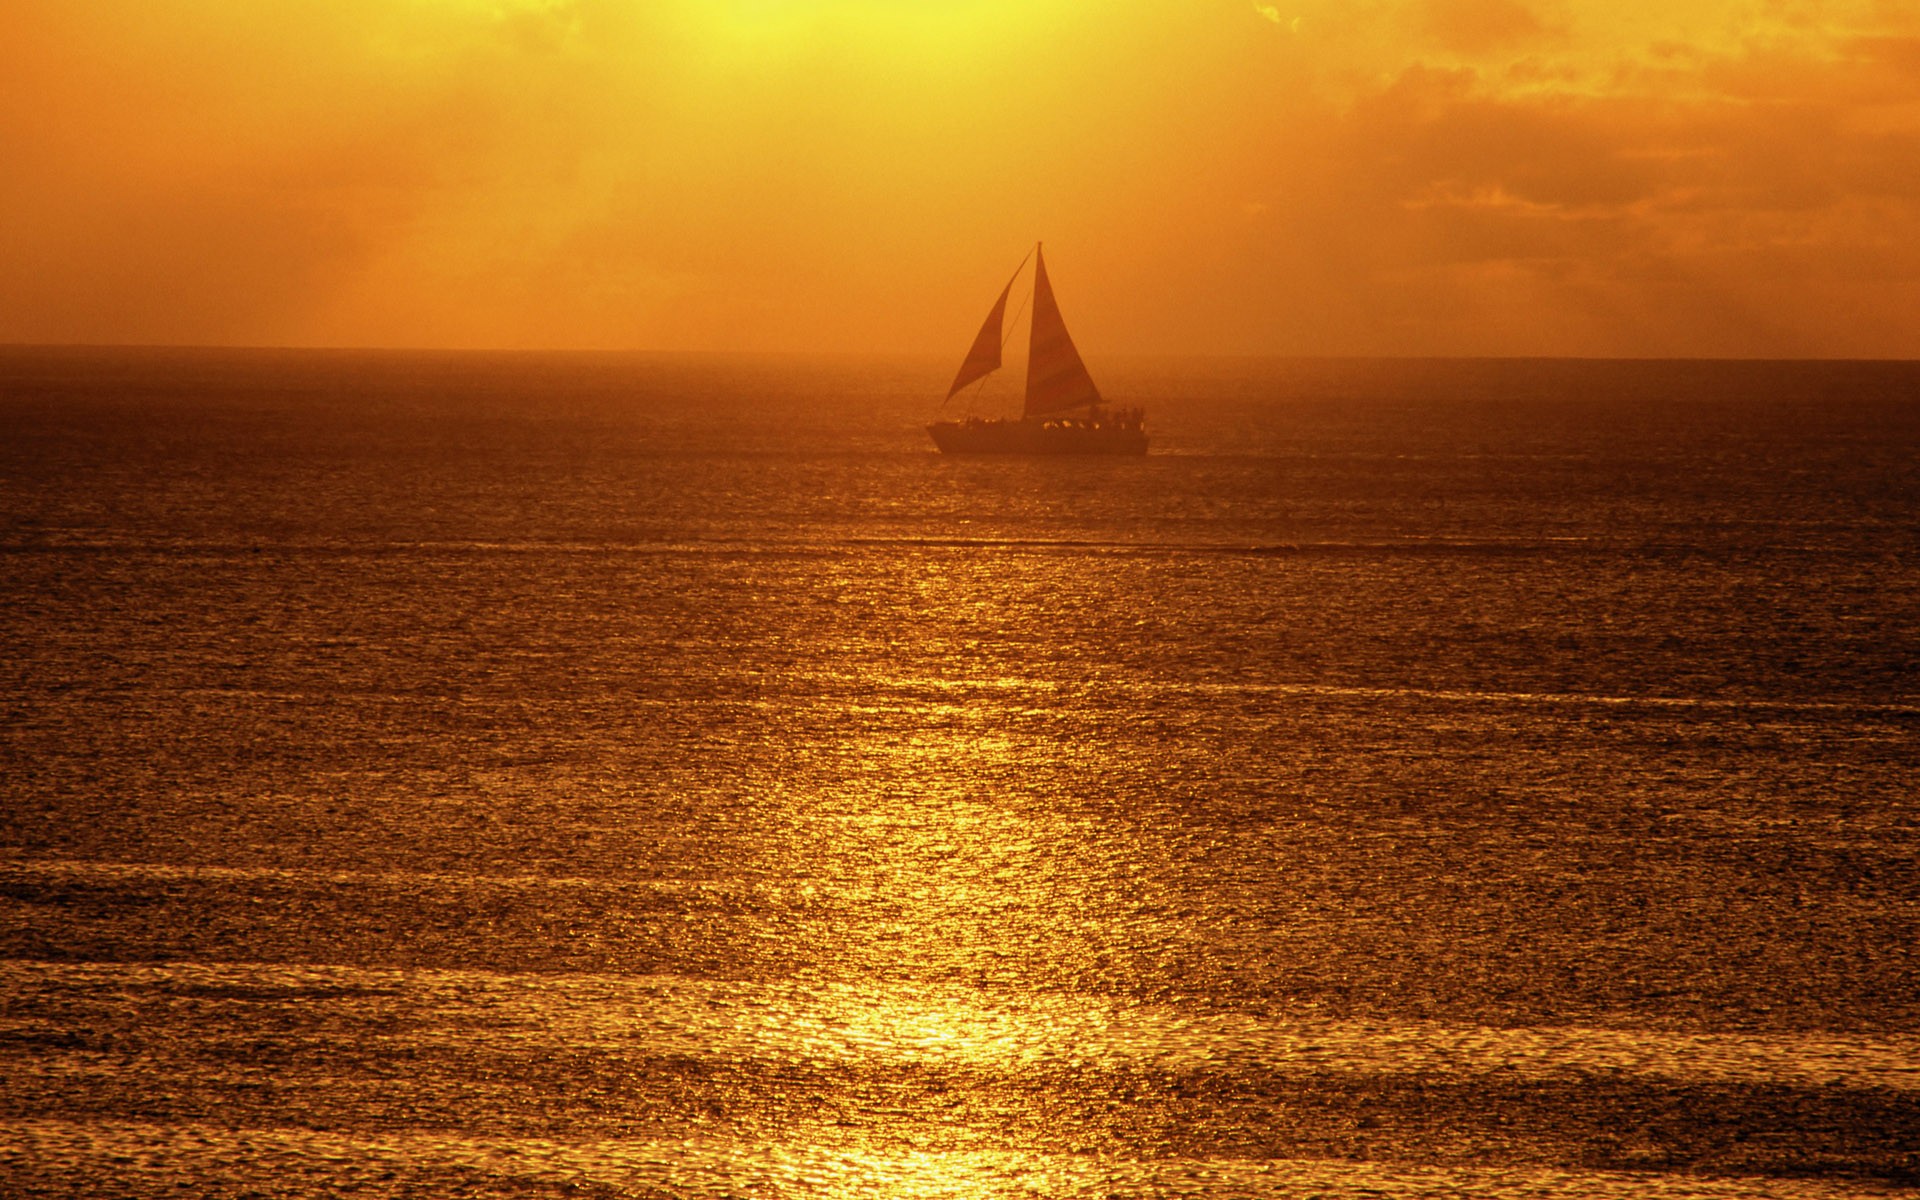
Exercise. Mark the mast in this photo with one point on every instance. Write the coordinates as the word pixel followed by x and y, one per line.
pixel 1057 380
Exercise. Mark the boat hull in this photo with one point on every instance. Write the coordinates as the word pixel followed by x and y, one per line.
pixel 1036 438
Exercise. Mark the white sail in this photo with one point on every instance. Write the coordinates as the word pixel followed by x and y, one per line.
pixel 1056 378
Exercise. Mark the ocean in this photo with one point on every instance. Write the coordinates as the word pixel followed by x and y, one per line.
pixel 625 775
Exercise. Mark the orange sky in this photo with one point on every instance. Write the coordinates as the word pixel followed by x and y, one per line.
pixel 1692 177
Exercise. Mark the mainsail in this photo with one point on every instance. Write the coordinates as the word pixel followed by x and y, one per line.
pixel 984 358
pixel 1056 378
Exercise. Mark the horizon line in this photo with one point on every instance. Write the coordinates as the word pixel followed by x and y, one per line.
pixel 639 352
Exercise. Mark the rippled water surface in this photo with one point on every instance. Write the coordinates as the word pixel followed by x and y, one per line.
pixel 501 775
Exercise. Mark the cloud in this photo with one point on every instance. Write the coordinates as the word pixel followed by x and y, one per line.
pixel 1680 181
pixel 193 173
pixel 1272 13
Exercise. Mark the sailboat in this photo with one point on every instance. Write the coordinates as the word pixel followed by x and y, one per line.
pixel 1063 413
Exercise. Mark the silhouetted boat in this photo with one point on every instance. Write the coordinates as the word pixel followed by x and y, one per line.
pixel 1063 413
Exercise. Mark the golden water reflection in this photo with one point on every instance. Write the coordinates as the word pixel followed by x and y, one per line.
pixel 152 1158
pixel 956 844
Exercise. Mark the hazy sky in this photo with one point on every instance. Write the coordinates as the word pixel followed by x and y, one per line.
pixel 1636 177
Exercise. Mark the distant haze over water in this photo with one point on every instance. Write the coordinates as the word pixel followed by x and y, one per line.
pixel 497 774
